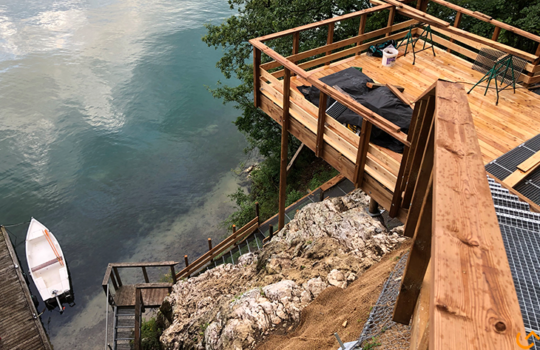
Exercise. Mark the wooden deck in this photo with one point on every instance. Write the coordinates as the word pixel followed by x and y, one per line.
pixel 20 328
pixel 499 128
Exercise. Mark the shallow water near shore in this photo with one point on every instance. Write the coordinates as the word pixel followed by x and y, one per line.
pixel 110 138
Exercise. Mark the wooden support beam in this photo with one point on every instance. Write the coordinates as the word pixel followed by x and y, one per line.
pixel 296 43
pixel 473 298
pixel 361 30
pixel 417 156
pixel 391 17
pixel 320 123
pixel 284 148
pixel 373 206
pixel 173 274
pixel 399 95
pixel 145 274
pixel 421 186
pixel 377 85
pixel 418 261
pixel 256 76
pixel 289 166
pixel 457 22
pixel 115 269
pixel 330 38
pixel 365 135
pixel 496 33
pixel 420 322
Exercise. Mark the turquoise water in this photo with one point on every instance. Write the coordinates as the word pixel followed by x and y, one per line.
pixel 109 137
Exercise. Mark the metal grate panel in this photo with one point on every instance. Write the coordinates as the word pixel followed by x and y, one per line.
pixel 498 171
pixel 523 249
pixel 511 204
pixel 336 109
pixel 534 143
pixel 515 157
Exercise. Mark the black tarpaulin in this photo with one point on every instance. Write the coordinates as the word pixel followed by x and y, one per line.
pixel 380 100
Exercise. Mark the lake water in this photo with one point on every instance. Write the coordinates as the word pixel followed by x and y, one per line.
pixel 109 137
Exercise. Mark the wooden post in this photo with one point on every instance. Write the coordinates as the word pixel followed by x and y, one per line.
pixel 145 274
pixel 330 39
pixel 233 229
pixel 538 50
pixel 113 280
pixel 173 274
pixel 320 124
pixel 284 148
pixel 187 264
pixel 417 262
pixel 117 276
pixel 271 231
pixel 496 33
pixel 457 21
pixel 361 29
pixel 209 244
pixel 138 302
pixel 361 156
pixel 391 17
pixel 256 76
pixel 257 212
pixel 296 43
pixel 373 206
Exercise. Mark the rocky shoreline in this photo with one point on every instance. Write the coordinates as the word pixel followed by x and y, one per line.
pixel 330 243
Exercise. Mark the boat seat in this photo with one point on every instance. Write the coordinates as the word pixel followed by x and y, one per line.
pixel 45 264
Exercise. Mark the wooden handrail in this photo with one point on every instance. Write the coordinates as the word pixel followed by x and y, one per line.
pixel 436 22
pixel 488 19
pixel 324 22
pixel 112 271
pixel 247 229
pixel 458 263
pixel 383 124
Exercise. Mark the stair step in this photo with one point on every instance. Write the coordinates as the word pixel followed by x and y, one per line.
pixel 506 196
pixel 517 213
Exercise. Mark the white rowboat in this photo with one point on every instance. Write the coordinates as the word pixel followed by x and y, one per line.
pixel 46 264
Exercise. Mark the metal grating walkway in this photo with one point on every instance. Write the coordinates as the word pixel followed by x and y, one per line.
pixel 506 164
pixel 520 230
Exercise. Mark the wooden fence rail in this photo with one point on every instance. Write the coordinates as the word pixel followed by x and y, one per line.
pixel 457 287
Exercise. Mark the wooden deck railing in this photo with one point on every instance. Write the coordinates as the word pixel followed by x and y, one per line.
pixel 112 272
pixel 236 237
pixel 457 288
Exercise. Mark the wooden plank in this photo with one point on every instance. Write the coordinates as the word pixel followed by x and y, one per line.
pixel 289 166
pixel 473 301
pixel 377 85
pixel 284 148
pixel 519 175
pixel 256 76
pixel 420 323
pixel 320 123
pixel 530 163
pixel 399 95
pixel 533 206
pixel 322 23
pixel 418 151
pixel 365 135
pixel 421 186
pixel 417 262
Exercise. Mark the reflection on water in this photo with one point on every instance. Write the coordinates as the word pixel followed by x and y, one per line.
pixel 109 137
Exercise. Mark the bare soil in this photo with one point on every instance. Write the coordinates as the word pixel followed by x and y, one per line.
pixel 329 311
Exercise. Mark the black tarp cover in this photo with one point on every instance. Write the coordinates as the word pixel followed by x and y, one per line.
pixel 380 100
